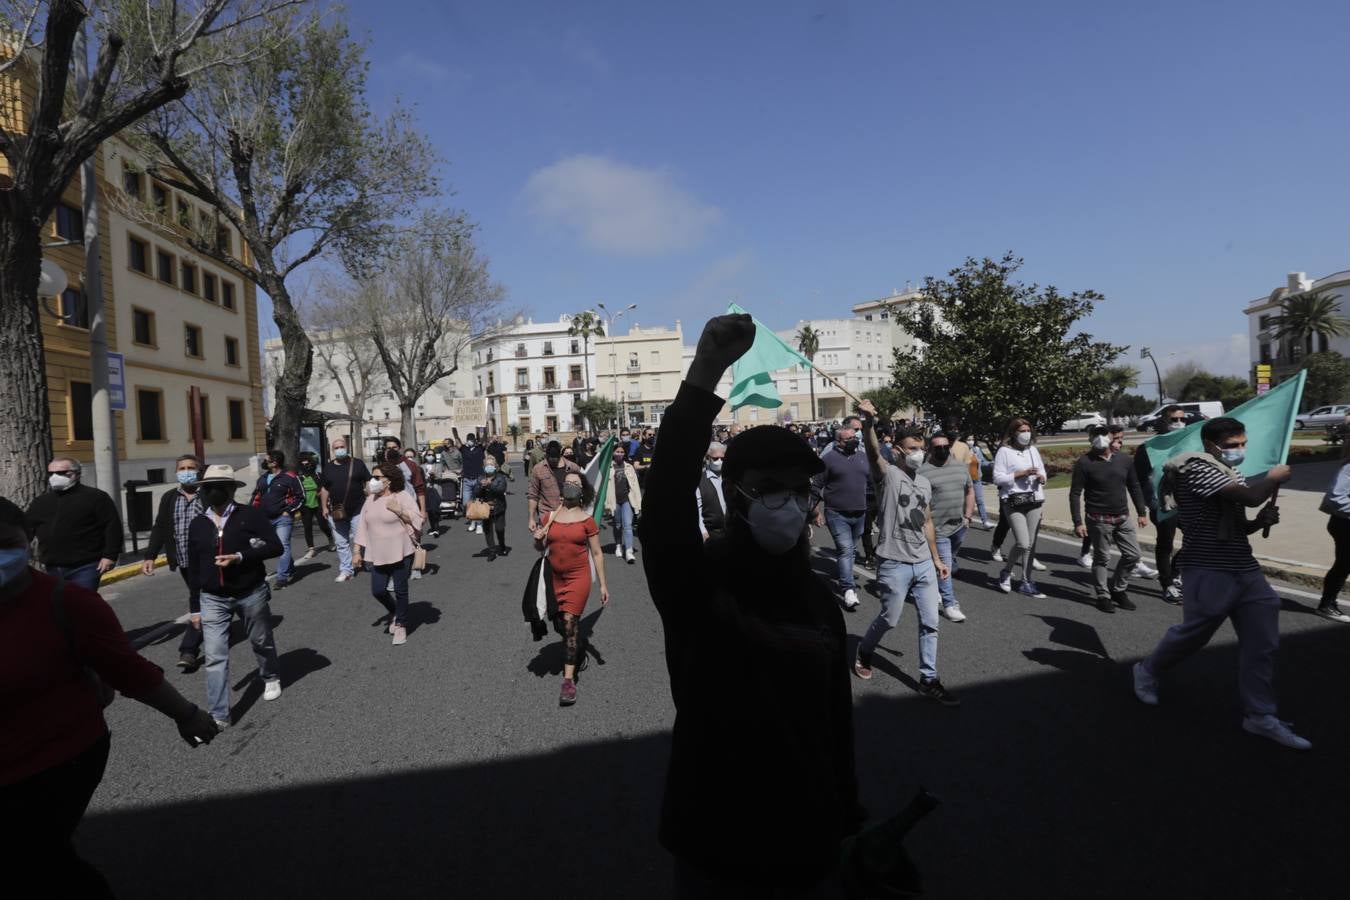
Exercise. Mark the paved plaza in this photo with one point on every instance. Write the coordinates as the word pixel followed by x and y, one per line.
pixel 445 768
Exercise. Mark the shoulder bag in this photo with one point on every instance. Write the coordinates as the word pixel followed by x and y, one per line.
pixel 1022 501
pixel 338 510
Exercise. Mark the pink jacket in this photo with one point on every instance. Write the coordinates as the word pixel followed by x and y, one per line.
pixel 383 537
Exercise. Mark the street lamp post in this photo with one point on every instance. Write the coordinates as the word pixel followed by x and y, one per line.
pixel 1145 353
pixel 611 318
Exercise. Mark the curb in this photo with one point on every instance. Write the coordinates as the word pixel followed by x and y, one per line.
pixel 122 573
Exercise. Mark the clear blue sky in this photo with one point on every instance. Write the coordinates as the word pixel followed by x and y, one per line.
pixel 1180 158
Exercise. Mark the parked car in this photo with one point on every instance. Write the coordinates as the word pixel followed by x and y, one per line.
pixel 1322 416
pixel 1083 421
pixel 1204 409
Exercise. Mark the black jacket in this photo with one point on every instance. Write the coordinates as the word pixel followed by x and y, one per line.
pixel 76 526
pixel 284 495
pixel 1109 485
pixel 161 536
pixel 346 484
pixel 494 492
pixel 761 783
pixel 248 531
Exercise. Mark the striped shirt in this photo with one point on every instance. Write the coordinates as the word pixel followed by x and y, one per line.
pixel 1202 510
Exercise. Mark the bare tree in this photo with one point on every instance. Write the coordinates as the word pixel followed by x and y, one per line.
pixel 288 153
pixel 346 351
pixel 147 55
pixel 432 297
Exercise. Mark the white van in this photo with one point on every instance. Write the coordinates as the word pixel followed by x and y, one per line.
pixel 1205 409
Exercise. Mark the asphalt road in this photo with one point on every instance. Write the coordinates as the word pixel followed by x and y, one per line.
pixel 445 768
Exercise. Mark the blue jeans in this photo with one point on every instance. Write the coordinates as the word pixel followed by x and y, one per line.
pixel 216 615
pixel 847 532
pixel 86 576
pixel 623 525
pixel 979 501
pixel 897 580
pixel 466 485
pixel 285 565
pixel 379 583
pixel 947 548
pixel 342 537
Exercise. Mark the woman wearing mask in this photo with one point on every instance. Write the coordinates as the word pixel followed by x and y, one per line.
pixel 384 538
pixel 572 541
pixel 491 489
pixel 1019 473
pixel 984 465
pixel 623 501
pixel 309 481
pixel 751 605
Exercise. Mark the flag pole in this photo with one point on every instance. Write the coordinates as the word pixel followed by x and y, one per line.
pixel 1288 442
pixel 831 379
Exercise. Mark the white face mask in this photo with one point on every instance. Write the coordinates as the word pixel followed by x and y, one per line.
pixel 1024 438
pixel 375 485
pixel 1175 426
pixel 776 530
pixel 1101 442
pixel 715 466
pixel 915 459
pixel 60 482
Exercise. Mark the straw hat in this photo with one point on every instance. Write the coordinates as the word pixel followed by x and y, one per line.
pixel 220 475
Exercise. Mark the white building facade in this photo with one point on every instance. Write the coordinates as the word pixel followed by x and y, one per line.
pixel 532 375
pixel 1284 358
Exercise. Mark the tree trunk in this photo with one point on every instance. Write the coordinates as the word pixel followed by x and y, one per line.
pixel 292 388
pixel 407 428
pixel 25 448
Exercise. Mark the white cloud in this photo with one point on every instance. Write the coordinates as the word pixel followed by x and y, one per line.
pixel 618 208
pixel 429 71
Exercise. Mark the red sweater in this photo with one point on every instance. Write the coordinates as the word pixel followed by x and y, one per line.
pixel 48 712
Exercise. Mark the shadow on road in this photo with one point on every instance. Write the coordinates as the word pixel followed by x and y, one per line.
pixel 1053 786
pixel 293 665
pixel 551 657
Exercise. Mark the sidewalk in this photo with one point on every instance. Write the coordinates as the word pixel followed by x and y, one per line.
pixel 1298 549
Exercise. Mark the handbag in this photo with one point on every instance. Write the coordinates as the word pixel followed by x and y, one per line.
pixel 478 511
pixel 102 693
pixel 1021 501
pixel 419 563
pixel 338 510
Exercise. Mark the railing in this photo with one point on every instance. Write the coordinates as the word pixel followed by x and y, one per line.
pixel 521 353
pixel 634 395
pixel 576 385
pixel 634 366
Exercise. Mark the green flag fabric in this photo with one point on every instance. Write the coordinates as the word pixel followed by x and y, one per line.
pixel 751 375
pixel 597 473
pixel 1270 429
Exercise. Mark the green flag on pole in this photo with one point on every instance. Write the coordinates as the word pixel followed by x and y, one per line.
pixel 1270 429
pixel 751 375
pixel 597 473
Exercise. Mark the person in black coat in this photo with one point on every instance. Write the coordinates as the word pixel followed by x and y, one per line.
pixel 169 536
pixel 78 528
pixel 761 788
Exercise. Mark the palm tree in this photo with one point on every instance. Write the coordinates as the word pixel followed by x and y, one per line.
pixel 1116 381
pixel 586 324
pixel 808 345
pixel 1303 315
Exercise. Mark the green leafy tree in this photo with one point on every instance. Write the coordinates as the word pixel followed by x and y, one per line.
pixel 1115 381
pixel 286 151
pixel 1304 315
pixel 808 344
pixel 1328 379
pixel 597 409
pixel 993 349
pixel 1230 390
pixel 1132 405
pixel 1175 378
pixel 888 400
pixel 45 140
pixel 514 432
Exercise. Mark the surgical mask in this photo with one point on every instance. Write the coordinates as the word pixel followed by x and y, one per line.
pixel 776 531
pixel 915 459
pixel 13 563
pixel 1176 426
pixel 571 492
pixel 187 477
pixel 340 452
pixel 715 466
pixel 376 485
pixel 60 482
pixel 489 470
pixel 1024 438
pixel 1234 457
pixel 939 455
pixel 1101 442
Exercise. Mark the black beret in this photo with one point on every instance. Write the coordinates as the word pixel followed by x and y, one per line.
pixel 769 447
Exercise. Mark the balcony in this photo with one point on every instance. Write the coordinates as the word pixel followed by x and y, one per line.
pixel 575 384
pixel 633 395
pixel 548 386
pixel 521 353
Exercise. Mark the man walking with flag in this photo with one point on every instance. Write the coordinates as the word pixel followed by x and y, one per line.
pixel 1221 578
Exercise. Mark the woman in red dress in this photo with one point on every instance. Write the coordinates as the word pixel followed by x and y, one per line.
pixel 573 542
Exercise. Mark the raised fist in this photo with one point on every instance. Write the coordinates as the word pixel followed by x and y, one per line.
pixel 725 339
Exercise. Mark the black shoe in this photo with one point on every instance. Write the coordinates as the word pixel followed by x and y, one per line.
pixel 1105 605
pixel 503 551
pixel 934 690
pixel 187 662
pixel 1122 599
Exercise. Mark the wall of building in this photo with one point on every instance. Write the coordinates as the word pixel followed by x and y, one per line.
pixel 641 371
pixel 1261 312
pixel 514 364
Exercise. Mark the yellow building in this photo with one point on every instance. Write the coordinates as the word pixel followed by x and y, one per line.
pixel 641 371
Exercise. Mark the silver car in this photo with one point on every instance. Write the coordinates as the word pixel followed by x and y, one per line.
pixel 1322 416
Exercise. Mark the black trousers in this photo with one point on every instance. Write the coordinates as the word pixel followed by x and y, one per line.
pixel 192 637
pixel 1167 538
pixel 495 528
pixel 1339 529
pixel 308 515
pixel 41 814
pixel 1001 529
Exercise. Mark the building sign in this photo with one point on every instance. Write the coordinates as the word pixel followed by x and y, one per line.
pixel 117 382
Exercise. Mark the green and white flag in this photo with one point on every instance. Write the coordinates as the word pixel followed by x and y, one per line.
pixel 1270 429
pixel 752 374
pixel 597 473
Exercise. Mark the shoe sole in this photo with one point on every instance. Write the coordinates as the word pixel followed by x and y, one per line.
pixel 1274 740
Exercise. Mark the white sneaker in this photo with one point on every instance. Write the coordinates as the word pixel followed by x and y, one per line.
pixel 1037 565
pixel 1005 583
pixel 953 613
pixel 998 555
pixel 1085 560
pixel 343 577
pixel 630 555
pixel 1333 613
pixel 478 529
pixel 416 574
pixel 470 528
pixel 433 534
pixel 1143 571
pixel 618 550
pixel 850 599
pixel 1145 685
pixel 1275 730
pixel 272 690
pixel 984 523
pixel 310 555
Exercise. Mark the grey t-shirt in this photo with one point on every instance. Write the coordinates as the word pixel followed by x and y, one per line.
pixel 904 504
pixel 950 483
